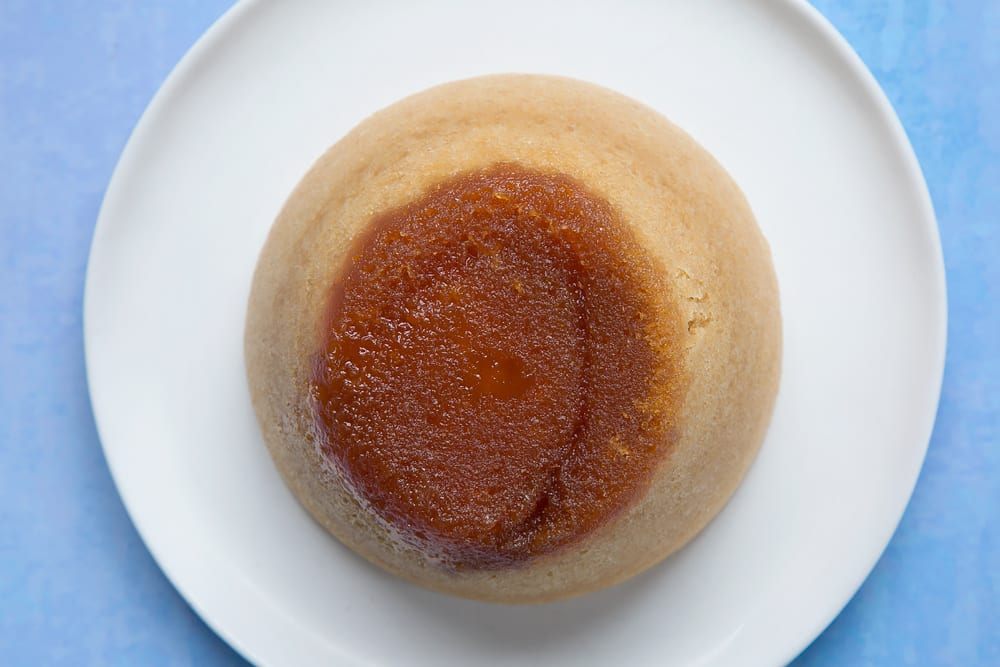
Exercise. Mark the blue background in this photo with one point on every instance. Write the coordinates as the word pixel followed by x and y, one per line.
pixel 77 586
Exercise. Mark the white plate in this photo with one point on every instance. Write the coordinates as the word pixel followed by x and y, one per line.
pixel 766 85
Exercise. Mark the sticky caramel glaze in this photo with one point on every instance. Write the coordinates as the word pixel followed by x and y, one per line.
pixel 487 382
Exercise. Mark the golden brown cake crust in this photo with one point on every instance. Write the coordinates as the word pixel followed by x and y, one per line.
pixel 683 208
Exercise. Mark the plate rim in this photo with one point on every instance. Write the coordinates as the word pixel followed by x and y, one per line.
pixel 219 30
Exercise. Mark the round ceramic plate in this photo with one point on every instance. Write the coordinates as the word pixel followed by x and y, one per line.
pixel 767 86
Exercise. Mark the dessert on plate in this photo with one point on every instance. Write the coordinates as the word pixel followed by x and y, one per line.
pixel 514 338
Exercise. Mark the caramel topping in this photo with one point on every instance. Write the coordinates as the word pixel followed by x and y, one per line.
pixel 487 382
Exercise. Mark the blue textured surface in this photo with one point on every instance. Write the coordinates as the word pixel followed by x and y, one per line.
pixel 76 584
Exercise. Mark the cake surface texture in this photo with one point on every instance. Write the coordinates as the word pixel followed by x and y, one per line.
pixel 514 338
